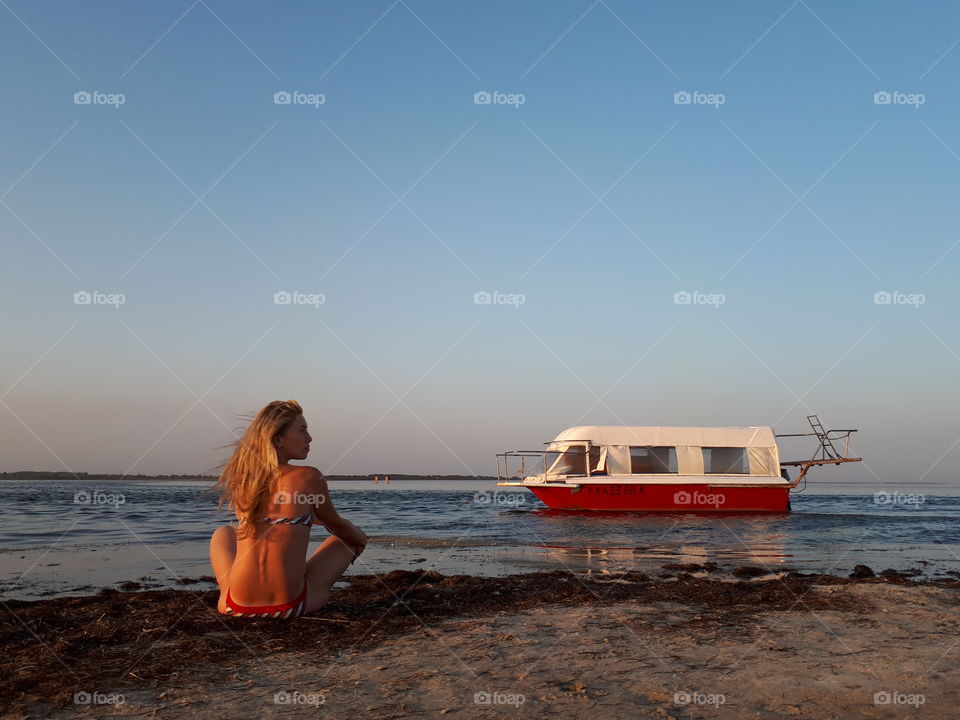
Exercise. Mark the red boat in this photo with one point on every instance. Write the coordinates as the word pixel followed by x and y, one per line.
pixel 668 469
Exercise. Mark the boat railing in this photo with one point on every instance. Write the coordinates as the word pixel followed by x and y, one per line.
pixel 540 465
pixel 826 453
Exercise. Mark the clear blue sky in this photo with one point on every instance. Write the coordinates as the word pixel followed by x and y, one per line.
pixel 796 200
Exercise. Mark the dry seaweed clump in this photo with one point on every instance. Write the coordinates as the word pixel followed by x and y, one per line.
pixel 54 648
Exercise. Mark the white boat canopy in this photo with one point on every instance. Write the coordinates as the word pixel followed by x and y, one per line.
pixel 676 436
pixel 625 450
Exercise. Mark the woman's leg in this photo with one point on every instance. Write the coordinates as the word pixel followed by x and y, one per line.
pixel 223 551
pixel 324 568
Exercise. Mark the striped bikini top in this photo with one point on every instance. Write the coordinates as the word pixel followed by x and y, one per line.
pixel 305 520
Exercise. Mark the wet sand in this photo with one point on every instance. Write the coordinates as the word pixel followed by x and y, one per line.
pixel 37 574
pixel 690 641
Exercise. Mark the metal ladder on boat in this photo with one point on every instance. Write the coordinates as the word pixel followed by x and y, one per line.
pixel 826 444
pixel 826 452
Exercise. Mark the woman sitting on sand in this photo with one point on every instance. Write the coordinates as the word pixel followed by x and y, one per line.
pixel 261 565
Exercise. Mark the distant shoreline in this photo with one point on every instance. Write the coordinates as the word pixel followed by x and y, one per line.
pixel 49 475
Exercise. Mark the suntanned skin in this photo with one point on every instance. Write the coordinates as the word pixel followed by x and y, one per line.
pixel 269 568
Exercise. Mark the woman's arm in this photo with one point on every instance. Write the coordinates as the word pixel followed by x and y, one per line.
pixel 328 516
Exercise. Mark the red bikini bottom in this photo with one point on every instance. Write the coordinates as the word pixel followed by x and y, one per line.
pixel 286 611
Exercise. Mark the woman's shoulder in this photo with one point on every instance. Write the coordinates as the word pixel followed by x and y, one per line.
pixel 304 475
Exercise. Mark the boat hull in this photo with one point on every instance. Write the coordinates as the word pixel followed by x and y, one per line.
pixel 665 498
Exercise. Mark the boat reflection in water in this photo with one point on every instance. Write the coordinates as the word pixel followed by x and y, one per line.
pixel 728 539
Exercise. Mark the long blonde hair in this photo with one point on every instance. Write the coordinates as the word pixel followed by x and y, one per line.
pixel 249 478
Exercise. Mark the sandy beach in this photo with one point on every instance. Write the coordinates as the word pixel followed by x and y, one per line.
pixel 693 641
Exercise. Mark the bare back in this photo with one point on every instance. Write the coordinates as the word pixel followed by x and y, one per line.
pixel 271 563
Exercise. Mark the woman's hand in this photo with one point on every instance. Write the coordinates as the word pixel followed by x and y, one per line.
pixel 359 541
pixel 357 549
pixel 361 545
pixel 354 538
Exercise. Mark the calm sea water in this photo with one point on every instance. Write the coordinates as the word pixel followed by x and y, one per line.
pixel 60 536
